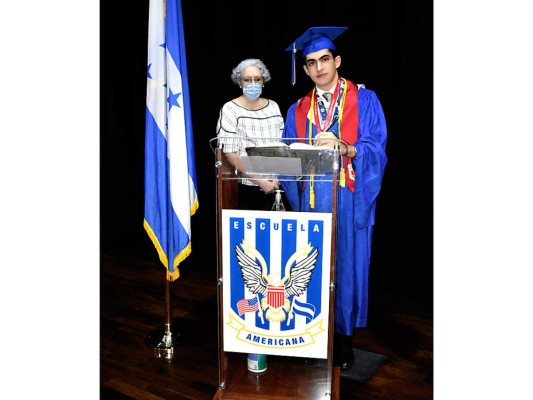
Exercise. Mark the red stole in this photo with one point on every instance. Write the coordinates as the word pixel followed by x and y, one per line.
pixel 347 127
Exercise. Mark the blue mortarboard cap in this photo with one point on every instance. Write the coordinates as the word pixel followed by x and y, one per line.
pixel 314 39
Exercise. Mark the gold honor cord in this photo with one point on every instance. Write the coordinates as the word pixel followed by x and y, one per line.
pixel 342 176
pixel 310 134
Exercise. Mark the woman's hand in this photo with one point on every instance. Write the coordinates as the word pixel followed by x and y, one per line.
pixel 268 186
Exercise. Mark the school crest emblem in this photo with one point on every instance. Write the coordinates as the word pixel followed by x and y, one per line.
pixel 275 290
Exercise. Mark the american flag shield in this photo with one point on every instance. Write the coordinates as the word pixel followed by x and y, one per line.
pixel 275 296
pixel 283 261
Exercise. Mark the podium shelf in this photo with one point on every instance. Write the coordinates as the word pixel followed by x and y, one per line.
pixel 286 378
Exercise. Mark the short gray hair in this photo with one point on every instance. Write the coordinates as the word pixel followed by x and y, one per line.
pixel 236 74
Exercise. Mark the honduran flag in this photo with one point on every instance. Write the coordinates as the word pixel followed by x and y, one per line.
pixel 306 309
pixel 170 173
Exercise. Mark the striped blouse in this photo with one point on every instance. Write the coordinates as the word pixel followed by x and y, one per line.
pixel 238 127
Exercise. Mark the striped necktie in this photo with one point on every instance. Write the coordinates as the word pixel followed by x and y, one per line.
pixel 327 96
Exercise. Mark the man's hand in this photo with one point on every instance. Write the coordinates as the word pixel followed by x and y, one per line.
pixel 326 139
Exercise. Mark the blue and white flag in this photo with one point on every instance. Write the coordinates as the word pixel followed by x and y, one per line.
pixel 308 310
pixel 170 191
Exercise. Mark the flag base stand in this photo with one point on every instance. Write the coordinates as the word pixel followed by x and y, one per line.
pixel 163 343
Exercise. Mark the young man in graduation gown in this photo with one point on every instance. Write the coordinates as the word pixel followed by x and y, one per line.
pixel 338 112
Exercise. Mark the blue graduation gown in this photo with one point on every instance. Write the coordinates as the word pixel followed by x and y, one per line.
pixel 355 210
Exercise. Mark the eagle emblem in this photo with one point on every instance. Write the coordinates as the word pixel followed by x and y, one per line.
pixel 275 290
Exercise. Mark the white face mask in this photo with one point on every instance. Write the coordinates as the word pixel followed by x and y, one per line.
pixel 252 91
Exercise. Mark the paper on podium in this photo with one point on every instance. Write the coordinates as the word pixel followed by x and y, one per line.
pixel 296 159
pixel 272 165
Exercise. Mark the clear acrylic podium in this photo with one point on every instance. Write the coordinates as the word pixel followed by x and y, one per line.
pixel 289 377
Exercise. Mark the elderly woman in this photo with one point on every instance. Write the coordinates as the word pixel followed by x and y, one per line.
pixel 246 121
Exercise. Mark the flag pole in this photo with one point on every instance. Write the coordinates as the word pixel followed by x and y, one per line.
pixel 163 341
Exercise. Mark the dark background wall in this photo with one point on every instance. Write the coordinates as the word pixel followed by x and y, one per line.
pixel 388 47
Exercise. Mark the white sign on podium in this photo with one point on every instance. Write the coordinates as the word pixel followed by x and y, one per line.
pixel 276 269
